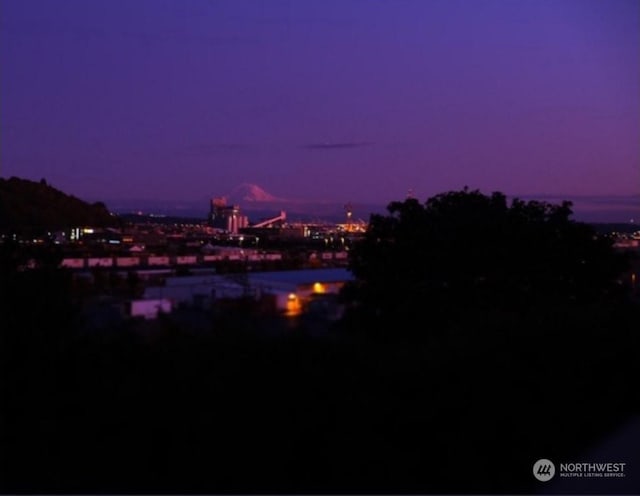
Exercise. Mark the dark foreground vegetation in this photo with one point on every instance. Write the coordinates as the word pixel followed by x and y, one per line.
pixel 479 338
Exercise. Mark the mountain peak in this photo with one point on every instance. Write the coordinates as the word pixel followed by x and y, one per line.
pixel 250 193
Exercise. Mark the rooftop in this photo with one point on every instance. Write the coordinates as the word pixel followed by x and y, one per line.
pixel 303 276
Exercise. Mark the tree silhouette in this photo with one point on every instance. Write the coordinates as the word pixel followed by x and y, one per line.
pixel 464 252
pixel 521 336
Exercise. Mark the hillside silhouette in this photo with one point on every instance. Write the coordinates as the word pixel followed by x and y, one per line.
pixel 30 207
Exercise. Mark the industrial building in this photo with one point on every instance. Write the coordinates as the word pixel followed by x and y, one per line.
pixel 290 290
pixel 226 217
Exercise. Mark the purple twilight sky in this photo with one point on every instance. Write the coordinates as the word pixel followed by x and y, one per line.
pixel 338 100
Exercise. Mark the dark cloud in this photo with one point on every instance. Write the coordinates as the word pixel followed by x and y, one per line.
pixel 335 146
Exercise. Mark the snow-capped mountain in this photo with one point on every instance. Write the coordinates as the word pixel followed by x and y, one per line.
pixel 247 192
pixel 254 202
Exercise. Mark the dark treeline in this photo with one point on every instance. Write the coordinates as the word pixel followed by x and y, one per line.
pixel 479 337
pixel 32 208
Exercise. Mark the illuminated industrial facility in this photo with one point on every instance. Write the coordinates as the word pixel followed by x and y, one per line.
pixel 226 217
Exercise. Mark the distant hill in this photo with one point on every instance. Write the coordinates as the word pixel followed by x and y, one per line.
pixel 34 207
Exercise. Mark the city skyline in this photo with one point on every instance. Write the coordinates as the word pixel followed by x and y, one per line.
pixel 333 101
